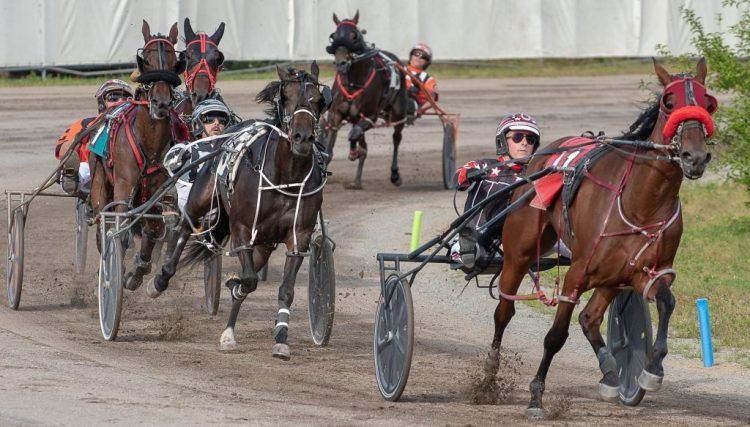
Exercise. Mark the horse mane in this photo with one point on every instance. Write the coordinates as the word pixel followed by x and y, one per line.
pixel 644 124
pixel 157 36
pixel 268 96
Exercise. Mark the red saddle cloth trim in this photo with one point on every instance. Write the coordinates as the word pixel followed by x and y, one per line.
pixel 548 187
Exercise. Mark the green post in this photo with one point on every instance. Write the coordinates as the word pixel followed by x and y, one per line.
pixel 416 225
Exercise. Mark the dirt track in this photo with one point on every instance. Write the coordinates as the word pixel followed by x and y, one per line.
pixel 165 367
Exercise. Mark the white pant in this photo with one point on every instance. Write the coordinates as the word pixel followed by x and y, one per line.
pixel 183 191
pixel 84 177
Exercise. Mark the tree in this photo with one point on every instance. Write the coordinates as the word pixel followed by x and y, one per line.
pixel 729 72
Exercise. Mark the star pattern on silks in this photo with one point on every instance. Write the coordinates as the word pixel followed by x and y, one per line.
pixel 494 172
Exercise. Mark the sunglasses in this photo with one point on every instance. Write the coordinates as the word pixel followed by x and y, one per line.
pixel 518 137
pixel 209 118
pixel 420 54
pixel 114 97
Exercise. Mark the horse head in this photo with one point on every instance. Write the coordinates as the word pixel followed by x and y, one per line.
pixel 300 99
pixel 685 109
pixel 159 69
pixel 203 60
pixel 346 42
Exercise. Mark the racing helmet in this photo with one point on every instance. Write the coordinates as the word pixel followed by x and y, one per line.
pixel 205 108
pixel 112 86
pixel 426 50
pixel 518 121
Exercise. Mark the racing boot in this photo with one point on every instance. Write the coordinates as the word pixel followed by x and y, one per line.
pixel 69 180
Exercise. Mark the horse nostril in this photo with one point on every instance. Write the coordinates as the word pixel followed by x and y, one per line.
pixel 708 157
pixel 686 156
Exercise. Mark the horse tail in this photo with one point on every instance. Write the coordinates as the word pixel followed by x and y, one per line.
pixel 196 252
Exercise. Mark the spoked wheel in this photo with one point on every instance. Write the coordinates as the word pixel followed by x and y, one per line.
pixel 321 291
pixel 629 338
pixel 449 157
pixel 394 338
pixel 14 270
pixel 212 283
pixel 110 287
pixel 82 235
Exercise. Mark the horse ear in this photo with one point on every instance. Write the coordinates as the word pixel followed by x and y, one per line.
pixel 702 71
pixel 189 33
pixel 146 31
pixel 216 37
pixel 336 19
pixel 283 73
pixel 314 69
pixel 356 18
pixel 173 33
pixel 664 77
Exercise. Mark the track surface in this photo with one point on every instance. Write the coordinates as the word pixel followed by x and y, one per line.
pixel 165 367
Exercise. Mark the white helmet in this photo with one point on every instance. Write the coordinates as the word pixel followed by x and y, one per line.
pixel 518 121
pixel 110 86
pixel 206 108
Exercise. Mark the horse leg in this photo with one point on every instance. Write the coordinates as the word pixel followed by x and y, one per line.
pixel 142 259
pixel 591 321
pixel 286 297
pixel 553 342
pixel 652 376
pixel 395 177
pixel 241 288
pixel 358 150
pixel 330 141
pixel 160 281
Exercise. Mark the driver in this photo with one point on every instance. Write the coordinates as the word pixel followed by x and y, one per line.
pixel 75 175
pixel 420 57
pixel 517 137
pixel 210 118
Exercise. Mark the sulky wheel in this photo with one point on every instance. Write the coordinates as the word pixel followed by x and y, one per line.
pixel 110 287
pixel 394 338
pixel 82 234
pixel 14 270
pixel 321 291
pixel 449 157
pixel 629 338
pixel 212 283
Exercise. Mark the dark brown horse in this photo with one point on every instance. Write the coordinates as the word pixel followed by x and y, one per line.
pixel 362 93
pixel 141 136
pixel 626 225
pixel 282 160
pixel 203 61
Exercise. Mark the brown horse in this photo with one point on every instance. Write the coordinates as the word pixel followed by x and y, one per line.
pixel 281 159
pixel 203 61
pixel 362 93
pixel 626 225
pixel 140 137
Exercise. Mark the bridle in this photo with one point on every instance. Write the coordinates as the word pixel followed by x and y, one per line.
pixel 692 109
pixel 304 107
pixel 202 66
pixel 160 74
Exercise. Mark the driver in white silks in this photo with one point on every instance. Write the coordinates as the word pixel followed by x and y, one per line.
pixel 209 119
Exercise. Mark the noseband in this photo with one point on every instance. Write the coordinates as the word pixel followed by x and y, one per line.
pixel 202 66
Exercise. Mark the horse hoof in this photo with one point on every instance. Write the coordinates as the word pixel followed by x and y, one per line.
pixel 281 351
pixel 131 283
pixel 396 181
pixel 228 346
pixel 151 290
pixel 649 381
pixel 609 393
pixel 353 155
pixel 353 186
pixel 534 414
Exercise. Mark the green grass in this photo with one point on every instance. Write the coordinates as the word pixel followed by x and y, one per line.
pixel 441 70
pixel 712 262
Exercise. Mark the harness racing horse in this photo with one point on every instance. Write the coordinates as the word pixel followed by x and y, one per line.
pixel 140 136
pixel 203 60
pixel 625 226
pixel 367 87
pixel 275 196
